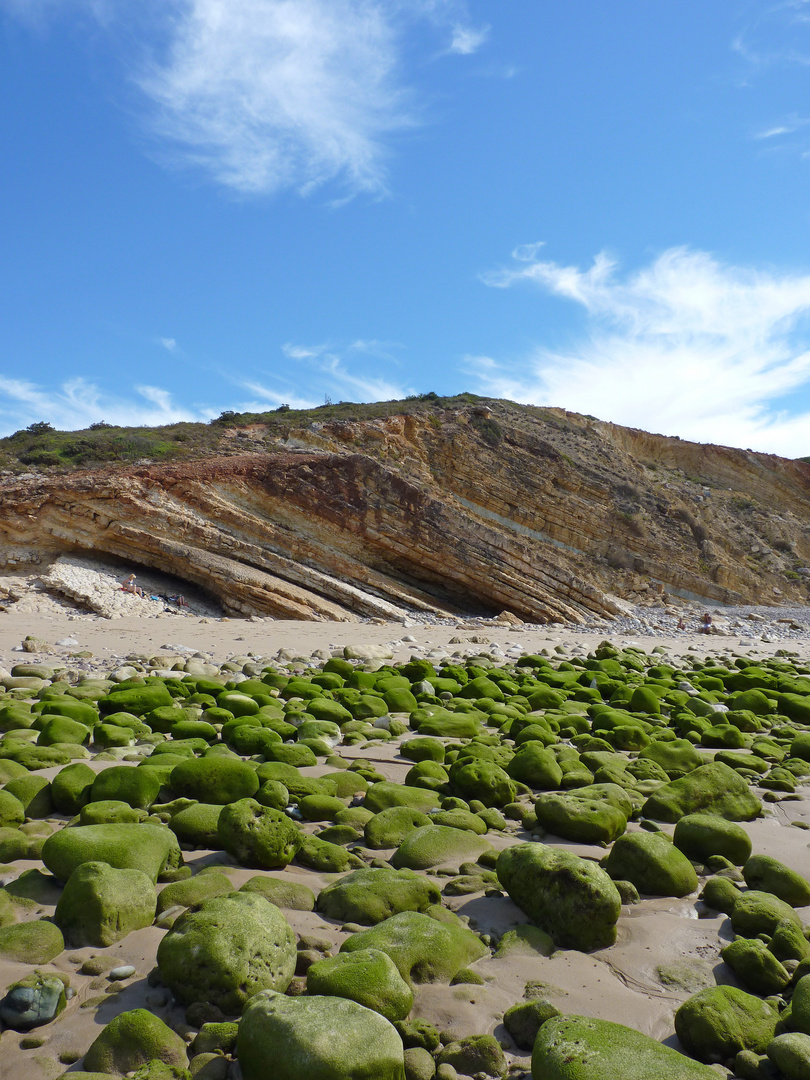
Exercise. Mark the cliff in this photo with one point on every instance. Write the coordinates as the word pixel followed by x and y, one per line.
pixel 472 508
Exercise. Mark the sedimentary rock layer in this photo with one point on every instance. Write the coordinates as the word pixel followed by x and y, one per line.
pixel 478 509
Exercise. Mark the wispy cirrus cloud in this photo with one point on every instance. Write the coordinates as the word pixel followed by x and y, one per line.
pixel 333 373
pixel 269 95
pixel 78 403
pixel 684 346
pixel 272 94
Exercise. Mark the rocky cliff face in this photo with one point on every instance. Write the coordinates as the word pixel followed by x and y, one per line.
pixel 467 510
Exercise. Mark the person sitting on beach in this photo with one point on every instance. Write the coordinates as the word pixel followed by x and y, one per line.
pixel 128 585
pixel 707 624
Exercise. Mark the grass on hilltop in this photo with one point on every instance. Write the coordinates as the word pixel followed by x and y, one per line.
pixel 42 447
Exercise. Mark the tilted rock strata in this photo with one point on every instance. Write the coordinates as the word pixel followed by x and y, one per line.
pixel 537 511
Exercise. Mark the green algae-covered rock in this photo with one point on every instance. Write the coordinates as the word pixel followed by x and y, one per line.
pixel 316 1038
pixel 34 792
pixel 71 787
pixel 100 904
pixel 570 898
pixel 226 950
pixel 721 894
pixel 150 848
pixel 434 845
pixel 719 1022
pixel 132 1039
pixel 214 779
pixel 197 825
pixel 422 749
pixel 652 863
pixel 474 1055
pixel 138 700
pixel 715 789
pixel 790 1053
pixel 586 821
pixel 14 845
pixel 676 757
pixel 366 976
pixel 485 781
pixel 12 811
pixel 536 766
pixel 758 912
pixel 799 1017
pixel 326 857
pixel 388 828
pixel 257 835
pixel 109 812
pixel 525 1019
pixel 284 894
pixel 382 795
pixel 756 968
pixel 34 942
pixel 767 874
pixel 700 836
pixel 369 896
pixel 138 787
pixel 423 949
pixel 581 1048
pixel 788 942
pixel 193 890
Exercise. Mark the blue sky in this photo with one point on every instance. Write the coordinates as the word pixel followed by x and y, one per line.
pixel 233 204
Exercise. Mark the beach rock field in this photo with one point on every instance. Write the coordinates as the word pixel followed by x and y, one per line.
pixel 563 864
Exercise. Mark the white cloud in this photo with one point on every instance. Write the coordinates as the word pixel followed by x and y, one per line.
pixel 328 374
pixel 168 343
pixel 78 403
pixel 685 346
pixel 273 94
pixel 467 39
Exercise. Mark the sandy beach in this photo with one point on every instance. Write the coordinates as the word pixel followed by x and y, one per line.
pixel 623 983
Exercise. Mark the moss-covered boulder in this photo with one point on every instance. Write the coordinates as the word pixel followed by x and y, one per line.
pixel 756 968
pixel 257 835
pixel 12 811
pixel 423 949
pixel 582 1048
pixel 197 825
pixel 123 783
pixel 292 895
pixel 388 828
pixel 719 1022
pixel 367 976
pixel 435 845
pixel 756 912
pixel 193 890
pixel 585 821
pixel 536 766
pixel 226 950
pixel 790 1053
pixel 767 874
pixel 34 792
pixel 316 1038
pixel 133 1039
pixel 570 898
pixel 150 848
pixel 384 794
pixel 474 1055
pixel 652 863
pixel 699 836
pixel 35 942
pixel 485 781
pixel 369 896
pixel 71 787
pixel 714 788
pixel 100 904
pixel 214 779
